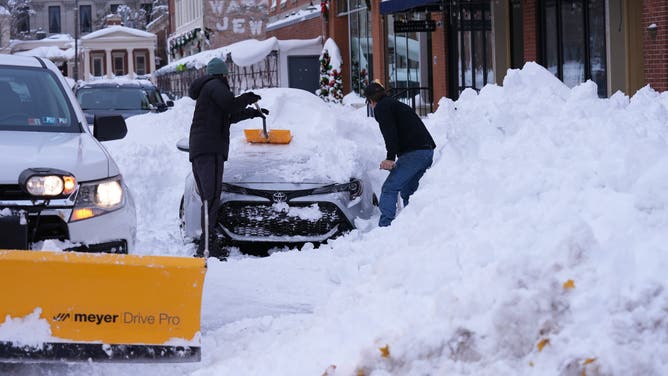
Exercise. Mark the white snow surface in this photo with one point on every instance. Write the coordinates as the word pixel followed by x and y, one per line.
pixel 49 52
pixel 533 184
pixel 336 61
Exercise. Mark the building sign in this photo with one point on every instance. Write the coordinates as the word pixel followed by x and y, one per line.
pixel 235 20
pixel 414 26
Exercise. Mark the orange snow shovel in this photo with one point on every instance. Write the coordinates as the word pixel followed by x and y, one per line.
pixel 264 136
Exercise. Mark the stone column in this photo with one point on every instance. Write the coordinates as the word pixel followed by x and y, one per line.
pixel 131 63
pixel 110 69
pixel 151 59
pixel 87 70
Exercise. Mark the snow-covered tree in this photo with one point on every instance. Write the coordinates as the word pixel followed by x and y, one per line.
pixel 20 11
pixel 331 81
pixel 134 14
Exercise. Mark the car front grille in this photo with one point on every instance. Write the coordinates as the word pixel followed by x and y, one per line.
pixel 253 219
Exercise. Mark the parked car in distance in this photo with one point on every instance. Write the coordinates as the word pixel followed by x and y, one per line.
pixel 124 97
pixel 57 181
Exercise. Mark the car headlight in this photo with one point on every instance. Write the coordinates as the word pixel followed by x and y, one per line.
pixel 45 183
pixel 97 198
pixel 353 187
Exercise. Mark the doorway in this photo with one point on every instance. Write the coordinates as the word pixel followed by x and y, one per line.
pixel 304 73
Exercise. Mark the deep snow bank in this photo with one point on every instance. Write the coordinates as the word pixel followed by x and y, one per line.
pixel 535 184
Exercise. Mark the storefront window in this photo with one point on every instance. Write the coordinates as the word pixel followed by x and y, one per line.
pixel 474 60
pixel 361 59
pixel 574 41
pixel 404 54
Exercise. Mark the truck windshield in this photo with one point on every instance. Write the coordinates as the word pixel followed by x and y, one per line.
pixel 32 99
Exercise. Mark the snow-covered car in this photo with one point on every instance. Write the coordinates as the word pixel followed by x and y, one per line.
pixel 57 181
pixel 259 206
pixel 284 194
pixel 124 97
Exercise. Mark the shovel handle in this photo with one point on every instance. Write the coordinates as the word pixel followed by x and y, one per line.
pixel 264 120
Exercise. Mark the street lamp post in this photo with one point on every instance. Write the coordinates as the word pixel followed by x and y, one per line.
pixel 76 40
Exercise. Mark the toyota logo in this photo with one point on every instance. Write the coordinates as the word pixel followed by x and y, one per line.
pixel 279 197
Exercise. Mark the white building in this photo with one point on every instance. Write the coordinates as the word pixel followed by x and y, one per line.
pixel 118 51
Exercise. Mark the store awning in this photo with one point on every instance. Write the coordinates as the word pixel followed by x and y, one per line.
pixel 396 6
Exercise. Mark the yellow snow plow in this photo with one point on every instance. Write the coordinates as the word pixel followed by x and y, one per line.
pixel 70 306
pixel 264 136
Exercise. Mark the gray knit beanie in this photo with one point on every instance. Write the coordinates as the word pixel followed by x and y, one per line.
pixel 216 66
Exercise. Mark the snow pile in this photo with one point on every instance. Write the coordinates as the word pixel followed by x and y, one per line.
pixel 536 244
pixel 543 222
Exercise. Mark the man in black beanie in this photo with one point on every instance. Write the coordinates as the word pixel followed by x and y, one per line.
pixel 410 149
pixel 216 108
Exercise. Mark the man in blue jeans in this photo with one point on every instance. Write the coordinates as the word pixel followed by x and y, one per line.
pixel 410 149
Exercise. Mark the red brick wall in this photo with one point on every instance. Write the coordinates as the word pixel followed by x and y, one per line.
pixel 440 62
pixel 303 30
pixel 379 43
pixel 235 23
pixel 289 5
pixel 530 30
pixel 656 43
pixel 337 29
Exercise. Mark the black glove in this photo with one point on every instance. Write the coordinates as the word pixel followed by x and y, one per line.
pixel 249 98
pixel 261 112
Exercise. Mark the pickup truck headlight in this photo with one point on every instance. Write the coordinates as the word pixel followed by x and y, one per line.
pixel 47 183
pixel 97 198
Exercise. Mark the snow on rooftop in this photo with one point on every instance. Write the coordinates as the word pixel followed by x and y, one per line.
pixel 49 52
pixel 298 16
pixel 117 28
pixel 244 53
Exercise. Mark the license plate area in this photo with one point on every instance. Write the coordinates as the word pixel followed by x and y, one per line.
pixel 13 232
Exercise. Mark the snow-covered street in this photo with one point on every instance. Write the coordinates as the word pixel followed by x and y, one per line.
pixel 537 243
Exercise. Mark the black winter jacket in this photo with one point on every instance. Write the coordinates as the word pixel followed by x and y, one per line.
pixel 402 128
pixel 215 110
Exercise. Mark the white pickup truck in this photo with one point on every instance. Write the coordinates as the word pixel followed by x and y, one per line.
pixel 57 181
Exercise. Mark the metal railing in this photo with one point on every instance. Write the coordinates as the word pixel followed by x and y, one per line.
pixel 419 98
pixel 259 75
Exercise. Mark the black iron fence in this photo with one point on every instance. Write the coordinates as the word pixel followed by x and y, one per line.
pixel 262 74
pixel 419 98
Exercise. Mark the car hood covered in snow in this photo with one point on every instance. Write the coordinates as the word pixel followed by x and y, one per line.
pixel 77 153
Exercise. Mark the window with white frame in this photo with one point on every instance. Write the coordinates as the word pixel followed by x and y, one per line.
pixel 98 64
pixel 118 63
pixel 140 64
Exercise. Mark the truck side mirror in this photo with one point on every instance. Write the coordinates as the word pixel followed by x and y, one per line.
pixel 109 127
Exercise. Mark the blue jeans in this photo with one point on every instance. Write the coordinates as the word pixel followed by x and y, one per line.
pixel 403 179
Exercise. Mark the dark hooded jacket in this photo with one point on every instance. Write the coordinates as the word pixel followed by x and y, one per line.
pixel 215 110
pixel 402 128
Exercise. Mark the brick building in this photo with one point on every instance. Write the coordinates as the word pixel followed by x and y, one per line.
pixel 199 25
pixel 619 44
pixel 435 48
pixel 429 49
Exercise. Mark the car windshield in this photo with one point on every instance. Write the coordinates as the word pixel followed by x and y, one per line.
pixel 31 99
pixel 154 96
pixel 113 98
